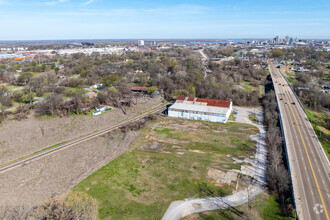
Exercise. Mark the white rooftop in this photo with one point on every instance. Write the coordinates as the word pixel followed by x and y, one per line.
pixel 199 108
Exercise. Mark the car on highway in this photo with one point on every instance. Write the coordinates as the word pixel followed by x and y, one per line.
pixel 293 103
pixel 286 102
pixel 281 98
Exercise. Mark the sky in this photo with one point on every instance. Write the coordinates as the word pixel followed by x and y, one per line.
pixel 163 19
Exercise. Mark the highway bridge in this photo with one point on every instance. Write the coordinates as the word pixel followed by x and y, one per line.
pixel 308 163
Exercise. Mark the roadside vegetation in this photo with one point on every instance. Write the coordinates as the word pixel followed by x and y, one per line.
pixel 68 206
pixel 172 160
pixel 321 125
pixel 290 76
pixel 278 178
pixel 253 118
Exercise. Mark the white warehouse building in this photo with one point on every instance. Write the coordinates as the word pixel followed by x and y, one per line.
pixel 201 109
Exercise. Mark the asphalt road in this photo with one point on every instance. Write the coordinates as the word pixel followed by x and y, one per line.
pixel 204 60
pixel 309 165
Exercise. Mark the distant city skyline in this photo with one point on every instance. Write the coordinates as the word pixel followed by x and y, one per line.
pixel 180 19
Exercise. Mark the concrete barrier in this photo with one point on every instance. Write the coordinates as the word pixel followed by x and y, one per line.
pixel 320 145
pixel 285 146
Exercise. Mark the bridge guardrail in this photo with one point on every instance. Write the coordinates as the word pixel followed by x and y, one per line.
pixel 285 147
pixel 320 145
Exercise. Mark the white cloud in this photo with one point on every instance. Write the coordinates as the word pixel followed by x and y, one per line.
pixel 179 9
pixel 55 2
pixel 107 13
pixel 165 11
pixel 88 2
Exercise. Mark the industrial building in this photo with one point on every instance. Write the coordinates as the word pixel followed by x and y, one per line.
pixel 201 109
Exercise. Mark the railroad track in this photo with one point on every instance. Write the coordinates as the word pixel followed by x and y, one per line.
pixel 44 153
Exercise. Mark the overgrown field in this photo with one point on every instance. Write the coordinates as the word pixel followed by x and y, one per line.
pixel 170 161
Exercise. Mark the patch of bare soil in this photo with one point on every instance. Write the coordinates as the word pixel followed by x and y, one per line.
pixel 197 151
pixel 21 138
pixel 57 173
pixel 219 176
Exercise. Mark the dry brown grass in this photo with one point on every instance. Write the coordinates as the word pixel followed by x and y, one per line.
pixel 21 138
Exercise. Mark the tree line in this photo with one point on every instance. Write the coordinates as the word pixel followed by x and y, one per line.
pixel 278 178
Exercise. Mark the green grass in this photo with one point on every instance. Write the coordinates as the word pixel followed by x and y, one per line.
pixel 249 88
pixel 253 118
pixel 76 90
pixel 141 183
pixel 290 80
pixel 9 87
pixel 271 209
pixel 232 117
pixel 290 76
pixel 318 121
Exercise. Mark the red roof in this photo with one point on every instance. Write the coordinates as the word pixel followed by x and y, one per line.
pixel 210 102
pixel 139 88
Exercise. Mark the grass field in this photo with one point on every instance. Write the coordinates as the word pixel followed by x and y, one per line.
pixel 246 85
pixel 249 88
pixel 168 162
pixel 318 121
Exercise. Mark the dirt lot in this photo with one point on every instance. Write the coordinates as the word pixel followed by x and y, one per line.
pixel 55 174
pixel 21 138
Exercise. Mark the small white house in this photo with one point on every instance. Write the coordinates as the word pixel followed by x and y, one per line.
pixel 201 109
